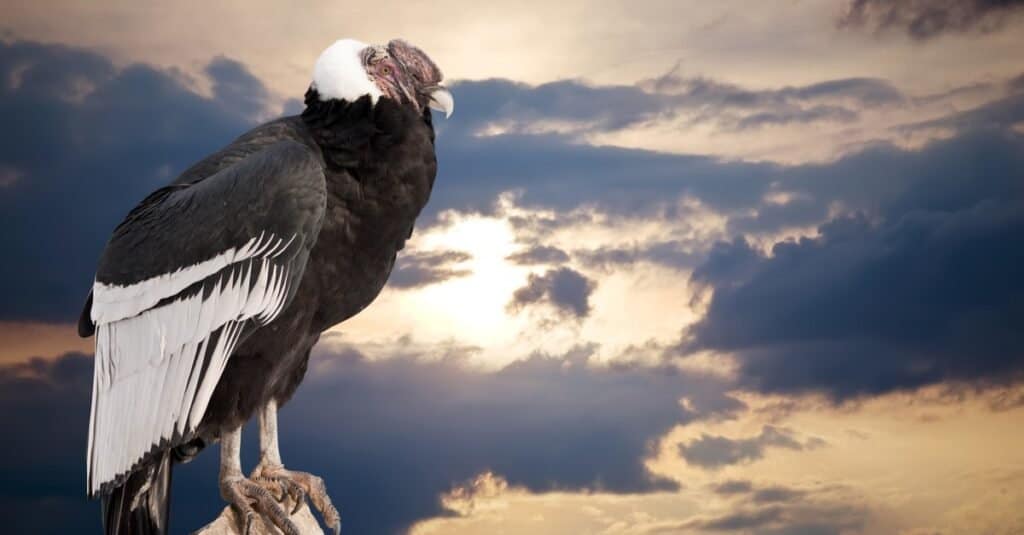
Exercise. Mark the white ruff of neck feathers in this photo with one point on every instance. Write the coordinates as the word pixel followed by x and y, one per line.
pixel 339 73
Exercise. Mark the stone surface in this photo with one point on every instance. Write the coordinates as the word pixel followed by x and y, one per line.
pixel 227 524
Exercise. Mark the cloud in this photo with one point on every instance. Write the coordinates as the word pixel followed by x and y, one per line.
pixel 925 290
pixel 402 430
pixel 539 254
pixel 801 116
pixel 712 452
pixel 743 520
pixel 926 19
pixel 45 403
pixel 418 269
pixel 557 170
pixel 577 107
pixel 552 171
pixel 759 495
pixel 727 263
pixel 705 91
pixel 237 89
pixel 998 114
pixel 389 436
pixel 567 290
pixel 674 254
pixel 91 141
pixel 776 494
pixel 779 509
pixel 1016 85
pixel 733 487
pixel 797 519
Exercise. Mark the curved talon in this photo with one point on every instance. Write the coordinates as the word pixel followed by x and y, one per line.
pixel 292 490
pixel 298 495
pixel 250 498
pixel 236 499
pixel 299 486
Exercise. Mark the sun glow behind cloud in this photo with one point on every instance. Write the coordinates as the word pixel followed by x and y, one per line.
pixel 470 308
pixel 635 310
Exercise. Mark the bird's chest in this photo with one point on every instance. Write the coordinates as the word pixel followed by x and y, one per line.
pixel 356 249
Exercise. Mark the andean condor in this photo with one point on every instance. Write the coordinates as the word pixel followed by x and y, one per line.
pixel 212 291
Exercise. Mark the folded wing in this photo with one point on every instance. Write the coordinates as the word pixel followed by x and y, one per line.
pixel 190 272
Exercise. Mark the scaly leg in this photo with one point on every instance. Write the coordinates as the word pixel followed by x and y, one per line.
pixel 271 472
pixel 247 496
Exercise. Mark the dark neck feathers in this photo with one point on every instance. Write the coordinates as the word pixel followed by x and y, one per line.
pixel 351 134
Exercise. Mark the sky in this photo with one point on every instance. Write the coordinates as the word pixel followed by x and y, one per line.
pixel 688 267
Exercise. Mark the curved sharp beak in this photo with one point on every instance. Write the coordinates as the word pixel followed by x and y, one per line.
pixel 441 100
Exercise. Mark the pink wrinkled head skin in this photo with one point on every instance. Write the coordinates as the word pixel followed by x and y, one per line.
pixel 402 71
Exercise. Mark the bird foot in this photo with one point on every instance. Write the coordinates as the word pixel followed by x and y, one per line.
pixel 251 498
pixel 295 486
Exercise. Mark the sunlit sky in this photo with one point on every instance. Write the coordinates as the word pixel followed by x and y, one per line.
pixel 689 267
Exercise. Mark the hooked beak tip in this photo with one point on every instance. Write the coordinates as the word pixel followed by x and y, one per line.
pixel 441 100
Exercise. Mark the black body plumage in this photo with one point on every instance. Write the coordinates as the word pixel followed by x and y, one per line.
pixel 348 179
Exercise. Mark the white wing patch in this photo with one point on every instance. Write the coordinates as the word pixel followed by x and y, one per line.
pixel 156 366
pixel 112 302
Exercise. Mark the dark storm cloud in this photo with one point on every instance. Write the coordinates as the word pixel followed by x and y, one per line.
pixel 413 428
pixel 236 88
pixel 389 435
pixel 925 19
pixel 539 254
pixel 925 290
pixel 86 141
pixel 728 263
pixel 712 452
pixel 46 405
pixel 567 290
pixel 418 269
pixel 555 172
pixel 802 210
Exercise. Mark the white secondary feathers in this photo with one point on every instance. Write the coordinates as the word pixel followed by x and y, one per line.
pixel 112 302
pixel 339 73
pixel 156 367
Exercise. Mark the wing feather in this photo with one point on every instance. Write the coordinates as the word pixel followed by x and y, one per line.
pixel 165 332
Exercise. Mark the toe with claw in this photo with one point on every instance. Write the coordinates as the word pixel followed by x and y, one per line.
pixel 297 486
pixel 250 499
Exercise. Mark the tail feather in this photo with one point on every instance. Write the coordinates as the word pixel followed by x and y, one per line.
pixel 140 506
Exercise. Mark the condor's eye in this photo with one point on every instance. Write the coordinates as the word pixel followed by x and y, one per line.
pixel 385 70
